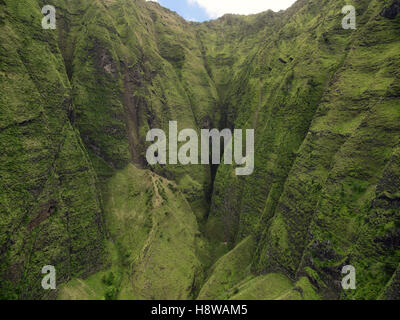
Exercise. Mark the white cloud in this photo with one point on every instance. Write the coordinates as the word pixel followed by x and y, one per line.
pixel 217 8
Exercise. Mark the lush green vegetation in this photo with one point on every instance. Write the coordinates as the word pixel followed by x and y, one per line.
pixel 76 191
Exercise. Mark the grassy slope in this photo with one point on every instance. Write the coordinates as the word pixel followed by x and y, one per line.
pixel 50 206
pixel 154 236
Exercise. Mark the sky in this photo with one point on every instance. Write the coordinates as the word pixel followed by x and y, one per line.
pixel 201 10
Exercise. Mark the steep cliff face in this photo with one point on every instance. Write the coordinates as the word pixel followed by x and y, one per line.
pixel 77 192
pixel 51 210
pixel 325 104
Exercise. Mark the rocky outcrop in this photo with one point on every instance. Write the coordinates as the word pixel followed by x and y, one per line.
pixel 392 10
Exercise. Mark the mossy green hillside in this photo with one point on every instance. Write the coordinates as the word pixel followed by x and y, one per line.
pixel 321 134
pixel 77 102
pixel 50 206
pixel 228 271
pixel 154 235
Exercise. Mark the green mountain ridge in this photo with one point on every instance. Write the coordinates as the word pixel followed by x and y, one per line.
pixel 77 192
